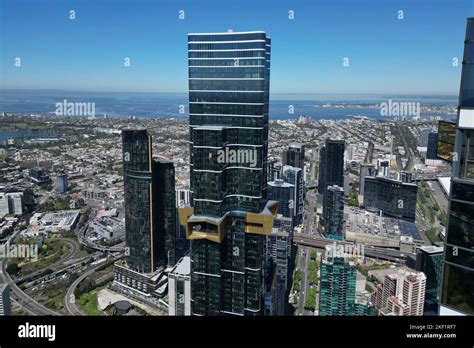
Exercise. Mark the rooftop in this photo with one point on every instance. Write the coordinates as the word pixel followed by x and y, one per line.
pixel 183 267
pixel 229 33
pixel 279 183
pixel 431 249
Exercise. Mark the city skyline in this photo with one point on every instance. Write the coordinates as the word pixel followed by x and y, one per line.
pixel 401 61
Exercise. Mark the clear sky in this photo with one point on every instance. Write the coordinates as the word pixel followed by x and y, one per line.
pixel 386 55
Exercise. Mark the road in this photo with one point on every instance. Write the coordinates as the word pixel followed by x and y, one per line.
pixel 74 249
pixel 70 299
pixel 408 151
pixel 439 196
pixel 309 227
pixel 16 294
pixel 303 264
pixel 25 301
pixel 29 287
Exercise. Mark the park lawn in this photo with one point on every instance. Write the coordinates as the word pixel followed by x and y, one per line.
pixel 89 302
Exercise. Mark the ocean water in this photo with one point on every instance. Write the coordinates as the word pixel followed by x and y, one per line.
pixel 165 105
pixel 4 135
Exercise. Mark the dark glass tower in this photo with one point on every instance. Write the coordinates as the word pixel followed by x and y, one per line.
pixel 294 156
pixel 229 75
pixel 331 162
pixel 457 291
pixel 391 197
pixel 333 212
pixel 143 196
pixel 432 148
pixel 294 176
pixel 283 192
pixel 322 170
pixel 166 208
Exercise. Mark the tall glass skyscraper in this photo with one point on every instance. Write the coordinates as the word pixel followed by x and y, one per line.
pixel 294 156
pixel 149 195
pixel 337 286
pixel 457 292
pixel 331 164
pixel 333 212
pixel 229 75
pixel 294 176
pixel 166 209
pixel 146 253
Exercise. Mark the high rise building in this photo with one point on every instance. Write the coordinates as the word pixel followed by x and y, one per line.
pixel 273 169
pixel 385 290
pixel 391 287
pixel 150 216
pixel 283 193
pixel 5 302
pixel 179 288
pixel 365 171
pixel 17 203
pixel 432 148
pixel 313 165
pixel 166 209
pixel 401 293
pixel 333 212
pixel 183 199
pixel 331 164
pixel 4 205
pixel 391 197
pixel 229 78
pixel 446 140
pixel 294 176
pixel 12 203
pixel 280 251
pixel 429 260
pixel 146 246
pixel 422 138
pixel 39 176
pixel 322 170
pixel 61 182
pixel 294 156
pixel 414 289
pixel 337 286
pixel 457 292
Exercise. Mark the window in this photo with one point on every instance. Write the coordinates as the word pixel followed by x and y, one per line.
pixel 467 156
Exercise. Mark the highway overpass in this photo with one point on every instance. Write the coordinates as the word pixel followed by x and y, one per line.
pixel 369 251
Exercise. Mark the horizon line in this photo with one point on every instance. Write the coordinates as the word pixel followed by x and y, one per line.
pixel 271 93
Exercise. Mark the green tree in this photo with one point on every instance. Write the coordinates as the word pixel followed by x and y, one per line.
pixel 13 268
pixel 297 280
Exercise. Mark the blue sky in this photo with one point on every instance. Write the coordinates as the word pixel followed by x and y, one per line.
pixel 386 55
